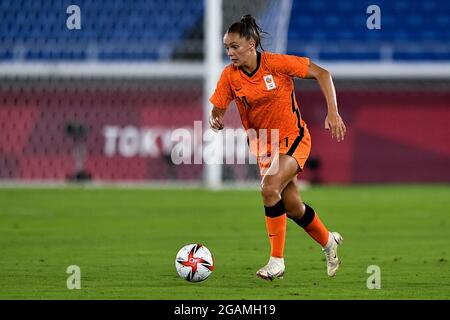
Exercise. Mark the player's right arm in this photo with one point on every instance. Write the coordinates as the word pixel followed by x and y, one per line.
pixel 220 99
pixel 216 118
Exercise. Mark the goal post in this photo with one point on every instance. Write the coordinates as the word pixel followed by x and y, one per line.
pixel 213 64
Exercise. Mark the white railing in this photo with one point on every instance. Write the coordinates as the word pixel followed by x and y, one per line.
pixel 189 70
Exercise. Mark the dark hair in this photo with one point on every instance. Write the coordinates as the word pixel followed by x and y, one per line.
pixel 248 29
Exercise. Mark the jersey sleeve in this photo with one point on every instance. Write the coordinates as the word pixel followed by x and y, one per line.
pixel 291 65
pixel 222 96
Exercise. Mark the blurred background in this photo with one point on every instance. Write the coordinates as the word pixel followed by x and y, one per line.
pixel 98 101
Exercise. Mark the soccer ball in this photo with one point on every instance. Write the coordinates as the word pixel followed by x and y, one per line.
pixel 194 262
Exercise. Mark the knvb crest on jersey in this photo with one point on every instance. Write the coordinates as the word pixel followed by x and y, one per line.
pixel 270 83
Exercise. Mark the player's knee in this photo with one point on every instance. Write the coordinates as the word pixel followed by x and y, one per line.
pixel 291 214
pixel 295 213
pixel 270 193
pixel 302 208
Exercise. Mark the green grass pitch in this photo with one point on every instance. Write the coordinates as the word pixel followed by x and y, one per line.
pixel 125 242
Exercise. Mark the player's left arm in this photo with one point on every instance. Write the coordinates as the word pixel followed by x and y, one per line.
pixel 333 121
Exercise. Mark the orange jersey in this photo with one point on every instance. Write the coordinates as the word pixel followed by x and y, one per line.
pixel 265 98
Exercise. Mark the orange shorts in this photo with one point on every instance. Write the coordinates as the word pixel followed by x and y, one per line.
pixel 296 146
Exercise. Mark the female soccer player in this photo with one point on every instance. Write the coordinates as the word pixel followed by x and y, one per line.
pixel 262 85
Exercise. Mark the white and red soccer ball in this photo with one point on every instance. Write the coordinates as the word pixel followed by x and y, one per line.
pixel 194 262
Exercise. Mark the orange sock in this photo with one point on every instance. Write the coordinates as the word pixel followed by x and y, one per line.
pixel 276 228
pixel 313 226
pixel 318 231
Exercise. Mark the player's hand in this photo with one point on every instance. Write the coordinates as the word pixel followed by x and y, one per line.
pixel 216 123
pixel 334 122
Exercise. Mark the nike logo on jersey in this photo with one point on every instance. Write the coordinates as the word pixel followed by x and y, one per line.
pixel 270 83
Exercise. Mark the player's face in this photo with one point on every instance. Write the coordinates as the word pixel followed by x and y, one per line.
pixel 239 50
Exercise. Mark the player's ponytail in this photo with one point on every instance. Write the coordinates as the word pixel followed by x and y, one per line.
pixel 248 28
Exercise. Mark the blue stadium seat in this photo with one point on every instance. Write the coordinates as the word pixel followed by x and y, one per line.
pixel 422 55
pixel 119 24
pixel 124 29
pixel 403 22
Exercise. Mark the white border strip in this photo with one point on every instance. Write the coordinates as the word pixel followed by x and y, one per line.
pixel 130 184
pixel 183 70
pixel 388 70
pixel 90 69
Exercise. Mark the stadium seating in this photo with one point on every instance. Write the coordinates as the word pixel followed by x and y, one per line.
pixel 110 30
pixel 154 30
pixel 336 30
